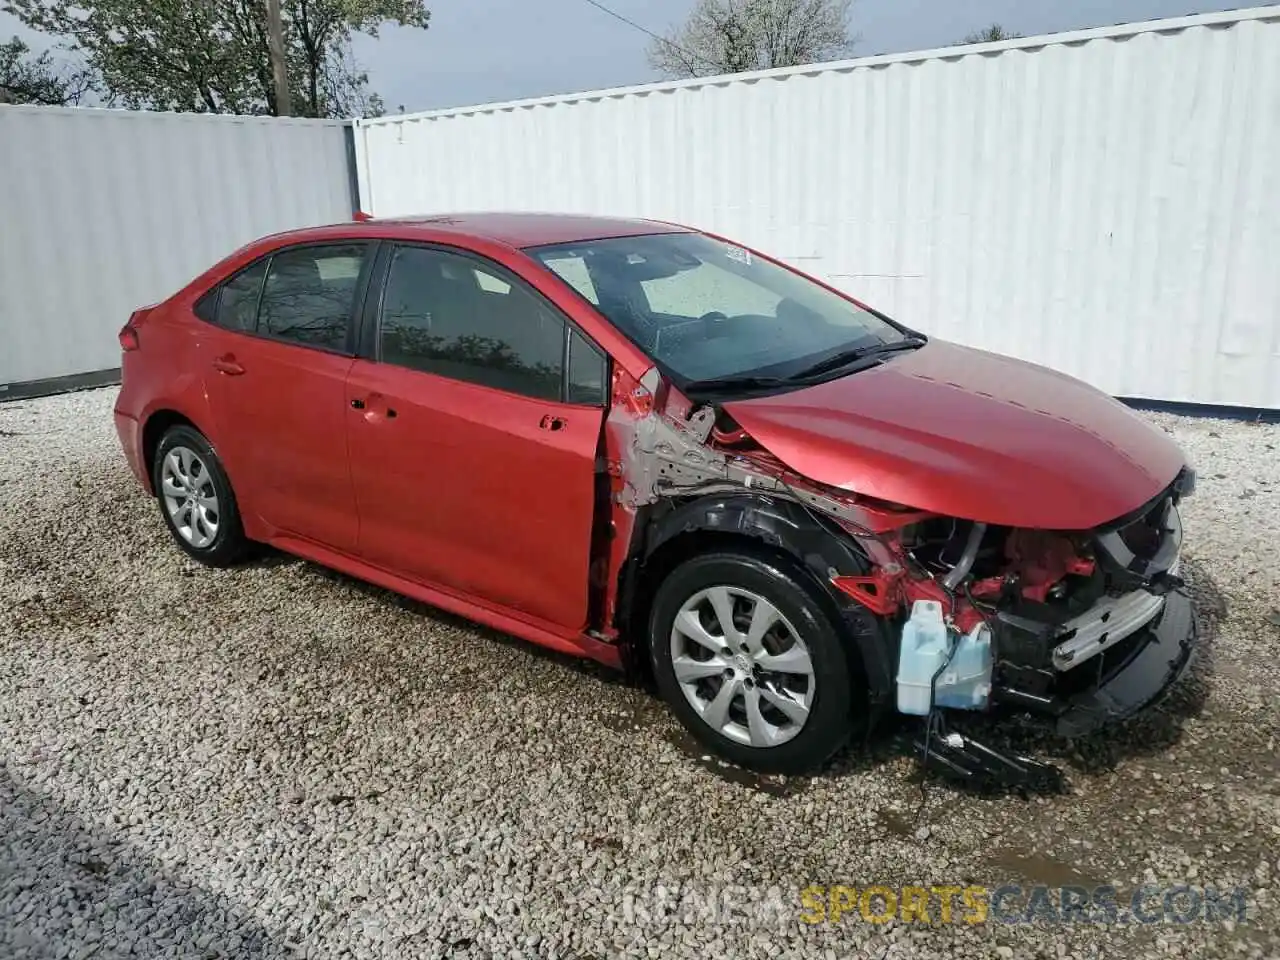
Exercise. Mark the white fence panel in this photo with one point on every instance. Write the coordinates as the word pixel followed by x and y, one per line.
pixel 1105 202
pixel 104 211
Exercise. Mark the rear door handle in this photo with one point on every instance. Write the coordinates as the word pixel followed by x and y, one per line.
pixel 552 423
pixel 228 365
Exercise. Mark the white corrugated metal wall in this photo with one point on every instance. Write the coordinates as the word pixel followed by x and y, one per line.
pixel 1105 202
pixel 103 211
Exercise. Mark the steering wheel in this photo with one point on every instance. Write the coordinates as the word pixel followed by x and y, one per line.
pixel 713 323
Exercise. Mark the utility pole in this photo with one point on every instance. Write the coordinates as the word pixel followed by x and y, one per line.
pixel 279 69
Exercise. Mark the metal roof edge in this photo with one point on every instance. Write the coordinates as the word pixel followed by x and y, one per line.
pixel 173 115
pixel 1170 24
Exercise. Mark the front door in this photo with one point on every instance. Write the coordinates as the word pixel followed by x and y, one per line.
pixel 473 470
pixel 277 362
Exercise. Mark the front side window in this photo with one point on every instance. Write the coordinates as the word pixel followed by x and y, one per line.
pixel 310 293
pixel 709 311
pixel 588 372
pixel 450 315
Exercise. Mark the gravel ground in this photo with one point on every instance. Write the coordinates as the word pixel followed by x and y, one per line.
pixel 279 761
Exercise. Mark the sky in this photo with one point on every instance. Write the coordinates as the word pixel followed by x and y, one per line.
pixel 482 51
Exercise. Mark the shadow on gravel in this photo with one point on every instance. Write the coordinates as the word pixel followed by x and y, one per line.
pixel 1152 732
pixel 1159 727
pixel 68 890
pixel 270 557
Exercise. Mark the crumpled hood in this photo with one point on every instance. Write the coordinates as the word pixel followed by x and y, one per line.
pixel 972 435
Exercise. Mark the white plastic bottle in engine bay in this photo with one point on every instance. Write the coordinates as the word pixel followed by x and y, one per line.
pixel 927 644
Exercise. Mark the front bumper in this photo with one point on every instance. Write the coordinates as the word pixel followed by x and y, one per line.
pixel 1125 679
pixel 1159 659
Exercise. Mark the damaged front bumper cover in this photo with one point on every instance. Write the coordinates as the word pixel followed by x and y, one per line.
pixel 1153 661
pixel 1125 679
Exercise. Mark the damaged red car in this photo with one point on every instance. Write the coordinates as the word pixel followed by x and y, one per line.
pixel 647 445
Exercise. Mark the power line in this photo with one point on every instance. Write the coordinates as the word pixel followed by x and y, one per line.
pixel 649 33
pixel 630 23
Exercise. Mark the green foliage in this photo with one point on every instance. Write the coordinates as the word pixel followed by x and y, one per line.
pixel 211 56
pixel 39 79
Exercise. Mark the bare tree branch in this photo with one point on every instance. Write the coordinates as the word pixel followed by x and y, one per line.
pixel 39 79
pixel 732 36
pixel 993 34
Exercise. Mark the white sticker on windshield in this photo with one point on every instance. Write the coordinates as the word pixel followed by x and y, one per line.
pixel 737 253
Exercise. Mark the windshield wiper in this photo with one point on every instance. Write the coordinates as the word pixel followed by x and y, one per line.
pixel 846 357
pixel 842 359
pixel 717 384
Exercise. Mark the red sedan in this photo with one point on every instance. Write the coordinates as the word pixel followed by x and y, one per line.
pixel 647 445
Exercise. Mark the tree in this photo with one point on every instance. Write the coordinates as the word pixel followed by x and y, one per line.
pixel 39 79
pixel 732 36
pixel 993 34
pixel 213 56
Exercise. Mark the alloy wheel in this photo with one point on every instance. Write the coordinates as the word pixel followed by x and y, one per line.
pixel 190 497
pixel 742 666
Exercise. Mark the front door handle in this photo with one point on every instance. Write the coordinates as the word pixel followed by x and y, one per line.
pixel 227 364
pixel 552 423
pixel 375 412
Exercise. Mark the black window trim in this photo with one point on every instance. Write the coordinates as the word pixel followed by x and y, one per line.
pixel 372 250
pixel 369 345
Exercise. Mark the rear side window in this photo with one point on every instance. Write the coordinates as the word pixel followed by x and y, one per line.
pixel 238 302
pixel 310 293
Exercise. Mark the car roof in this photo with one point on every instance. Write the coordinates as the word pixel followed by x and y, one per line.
pixel 521 229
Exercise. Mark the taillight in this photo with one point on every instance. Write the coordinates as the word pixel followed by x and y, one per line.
pixel 128 337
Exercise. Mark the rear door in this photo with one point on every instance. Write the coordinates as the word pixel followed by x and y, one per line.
pixel 276 363
pixel 474 428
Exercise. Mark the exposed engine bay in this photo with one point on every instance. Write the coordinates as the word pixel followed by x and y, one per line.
pixel 1021 614
pixel 976 615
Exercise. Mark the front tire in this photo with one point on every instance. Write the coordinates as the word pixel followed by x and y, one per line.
pixel 196 499
pixel 750 661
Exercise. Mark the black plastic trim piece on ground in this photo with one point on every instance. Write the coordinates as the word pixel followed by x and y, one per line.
pixel 966 760
pixel 26 389
pixel 1208 411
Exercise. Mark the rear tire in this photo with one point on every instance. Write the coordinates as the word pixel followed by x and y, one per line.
pixel 774 692
pixel 196 499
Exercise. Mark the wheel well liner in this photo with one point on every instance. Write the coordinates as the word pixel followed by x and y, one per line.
pixel 156 426
pixel 672 533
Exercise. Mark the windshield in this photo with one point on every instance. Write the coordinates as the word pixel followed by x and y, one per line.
pixel 706 310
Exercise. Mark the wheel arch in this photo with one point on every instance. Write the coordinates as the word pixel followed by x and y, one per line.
pixel 768 527
pixel 156 425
